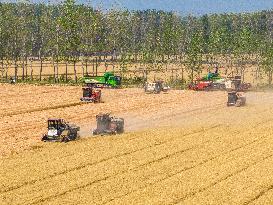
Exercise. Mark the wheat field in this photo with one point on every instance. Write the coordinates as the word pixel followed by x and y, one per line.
pixel 179 148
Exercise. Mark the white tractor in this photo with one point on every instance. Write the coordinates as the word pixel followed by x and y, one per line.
pixel 156 87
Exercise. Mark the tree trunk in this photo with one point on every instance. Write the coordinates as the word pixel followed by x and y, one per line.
pixel 57 71
pixel 41 69
pixel 75 72
pixel 54 70
pixel 7 75
pixel 26 69
pixel 270 77
pixel 23 70
pixel 15 71
pixel 31 71
pixel 182 70
pixel 135 57
pixel 82 70
pixel 96 66
pixel 93 67
pixel 66 79
pixel 86 70
pixel 2 67
pixel 192 75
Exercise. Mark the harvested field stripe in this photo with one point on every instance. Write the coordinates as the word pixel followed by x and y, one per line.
pixel 103 160
pixel 128 153
pixel 42 109
pixel 263 192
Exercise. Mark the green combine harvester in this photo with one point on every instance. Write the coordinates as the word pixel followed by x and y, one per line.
pixel 107 80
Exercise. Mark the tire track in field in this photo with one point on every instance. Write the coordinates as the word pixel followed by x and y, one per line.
pixel 208 108
pixel 116 156
pixel 42 109
pixel 177 201
pixel 187 168
pixel 103 160
pixel 260 194
pixel 110 176
pixel 149 163
pixel 32 126
pixel 198 109
pixel 27 125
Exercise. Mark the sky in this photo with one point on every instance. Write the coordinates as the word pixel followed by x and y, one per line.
pixel 195 7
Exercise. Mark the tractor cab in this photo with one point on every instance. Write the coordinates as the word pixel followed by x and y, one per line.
pixel 55 126
pixel 114 81
pixel 55 123
pixel 87 91
pixel 59 130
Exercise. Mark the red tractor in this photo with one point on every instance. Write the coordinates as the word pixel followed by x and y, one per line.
pixel 91 94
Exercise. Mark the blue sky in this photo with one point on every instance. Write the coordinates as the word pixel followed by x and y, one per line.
pixel 196 7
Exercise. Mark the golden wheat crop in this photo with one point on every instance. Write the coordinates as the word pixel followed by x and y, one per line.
pixel 192 149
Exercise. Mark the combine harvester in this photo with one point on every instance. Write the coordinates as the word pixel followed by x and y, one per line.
pixel 156 87
pixel 91 93
pixel 108 80
pixel 107 125
pixel 60 131
pixel 213 81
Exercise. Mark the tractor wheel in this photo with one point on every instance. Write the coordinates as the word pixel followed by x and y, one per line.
pixel 207 89
pixel 65 139
pixel 238 103
pixel 44 138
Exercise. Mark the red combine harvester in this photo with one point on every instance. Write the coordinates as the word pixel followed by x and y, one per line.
pixel 200 85
pixel 91 94
pixel 212 81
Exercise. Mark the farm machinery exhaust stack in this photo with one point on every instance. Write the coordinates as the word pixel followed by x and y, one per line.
pixel 108 125
pixel 60 131
pixel 213 81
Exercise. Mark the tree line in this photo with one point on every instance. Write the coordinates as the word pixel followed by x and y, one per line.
pixel 71 32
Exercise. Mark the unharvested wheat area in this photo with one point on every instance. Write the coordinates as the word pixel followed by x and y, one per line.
pixel 183 147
